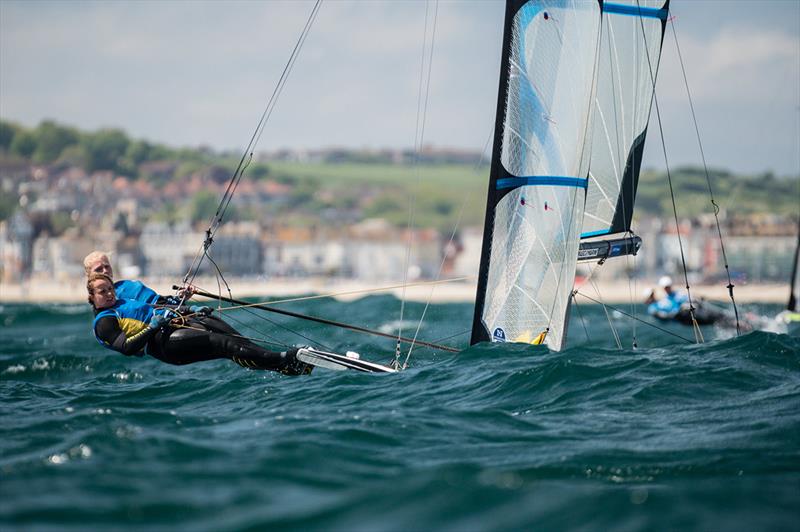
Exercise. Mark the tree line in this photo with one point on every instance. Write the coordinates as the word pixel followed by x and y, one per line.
pixel 111 149
pixel 105 149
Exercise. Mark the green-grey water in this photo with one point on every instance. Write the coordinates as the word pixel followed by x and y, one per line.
pixel 498 437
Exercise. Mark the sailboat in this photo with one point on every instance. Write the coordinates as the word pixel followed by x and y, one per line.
pixel 576 88
pixel 575 91
pixel 790 317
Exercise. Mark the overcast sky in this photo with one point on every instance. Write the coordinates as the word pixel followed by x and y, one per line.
pixel 189 73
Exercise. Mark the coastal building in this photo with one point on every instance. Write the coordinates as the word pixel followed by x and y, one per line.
pixel 60 258
pixel 16 247
pixel 237 249
pixel 169 249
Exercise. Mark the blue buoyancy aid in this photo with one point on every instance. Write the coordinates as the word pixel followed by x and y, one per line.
pixel 664 308
pixel 136 291
pixel 678 298
pixel 133 317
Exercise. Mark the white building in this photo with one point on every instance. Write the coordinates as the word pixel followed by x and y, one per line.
pixel 169 249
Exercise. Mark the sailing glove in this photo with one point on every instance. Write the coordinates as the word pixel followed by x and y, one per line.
pixel 203 311
pixel 158 321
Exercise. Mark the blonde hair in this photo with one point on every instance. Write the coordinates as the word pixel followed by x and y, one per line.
pixel 96 277
pixel 91 258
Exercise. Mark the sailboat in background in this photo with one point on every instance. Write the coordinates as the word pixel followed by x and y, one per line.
pixel 790 318
pixel 576 89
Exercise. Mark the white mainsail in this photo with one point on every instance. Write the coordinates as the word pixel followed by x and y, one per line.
pixel 539 168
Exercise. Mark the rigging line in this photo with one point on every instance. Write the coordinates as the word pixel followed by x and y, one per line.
pixel 259 316
pixel 271 338
pixel 467 200
pixel 448 337
pixel 182 326
pixel 243 337
pixel 304 35
pixel 635 318
pixel 342 325
pixel 580 316
pixel 265 116
pixel 708 177
pixel 271 322
pixel 438 273
pixel 608 316
pixel 419 135
pixel 669 179
pixel 349 292
pixel 237 175
pixel 220 277
pixel 281 326
pixel 411 199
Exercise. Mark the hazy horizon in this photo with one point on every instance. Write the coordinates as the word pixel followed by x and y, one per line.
pixel 200 73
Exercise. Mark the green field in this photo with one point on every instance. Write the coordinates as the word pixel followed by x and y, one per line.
pixel 440 192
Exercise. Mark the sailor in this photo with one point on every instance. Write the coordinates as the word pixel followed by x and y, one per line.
pixel 134 328
pixel 663 308
pixel 665 282
pixel 97 262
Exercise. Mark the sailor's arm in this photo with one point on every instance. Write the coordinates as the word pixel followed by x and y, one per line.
pixel 109 332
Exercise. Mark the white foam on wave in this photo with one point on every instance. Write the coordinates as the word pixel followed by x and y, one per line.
pixel 81 451
pixel 41 364
pixel 124 376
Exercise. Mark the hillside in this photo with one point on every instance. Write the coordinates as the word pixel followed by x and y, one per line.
pixel 338 186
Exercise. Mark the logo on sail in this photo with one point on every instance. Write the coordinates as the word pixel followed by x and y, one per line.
pixel 499 335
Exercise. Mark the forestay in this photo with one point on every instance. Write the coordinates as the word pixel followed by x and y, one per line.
pixel 539 171
pixel 630 44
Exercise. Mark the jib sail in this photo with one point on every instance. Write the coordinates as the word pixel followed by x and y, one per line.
pixel 630 46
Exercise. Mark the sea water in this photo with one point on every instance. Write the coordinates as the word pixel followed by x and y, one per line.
pixel 670 435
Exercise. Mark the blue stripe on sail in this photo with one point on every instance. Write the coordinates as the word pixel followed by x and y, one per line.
pixel 595 233
pixel 514 182
pixel 622 9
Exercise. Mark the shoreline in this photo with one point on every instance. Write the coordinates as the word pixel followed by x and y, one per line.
pixel 50 291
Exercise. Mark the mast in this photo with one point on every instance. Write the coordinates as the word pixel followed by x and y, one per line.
pixel 795 286
pixel 479 332
pixel 539 169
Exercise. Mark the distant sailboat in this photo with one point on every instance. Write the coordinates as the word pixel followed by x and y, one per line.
pixel 575 93
pixel 791 316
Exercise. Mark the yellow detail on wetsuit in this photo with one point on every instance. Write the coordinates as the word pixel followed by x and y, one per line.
pixel 131 326
pixel 133 318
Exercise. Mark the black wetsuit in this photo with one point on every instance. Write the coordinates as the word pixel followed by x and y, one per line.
pixel 201 338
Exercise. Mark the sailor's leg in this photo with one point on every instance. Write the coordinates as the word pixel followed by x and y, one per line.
pixel 215 324
pixel 185 346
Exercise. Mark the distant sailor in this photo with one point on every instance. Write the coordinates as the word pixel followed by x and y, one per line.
pixel 668 306
pixel 134 328
pixel 675 306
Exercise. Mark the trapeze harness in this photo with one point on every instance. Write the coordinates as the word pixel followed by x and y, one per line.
pixel 125 328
